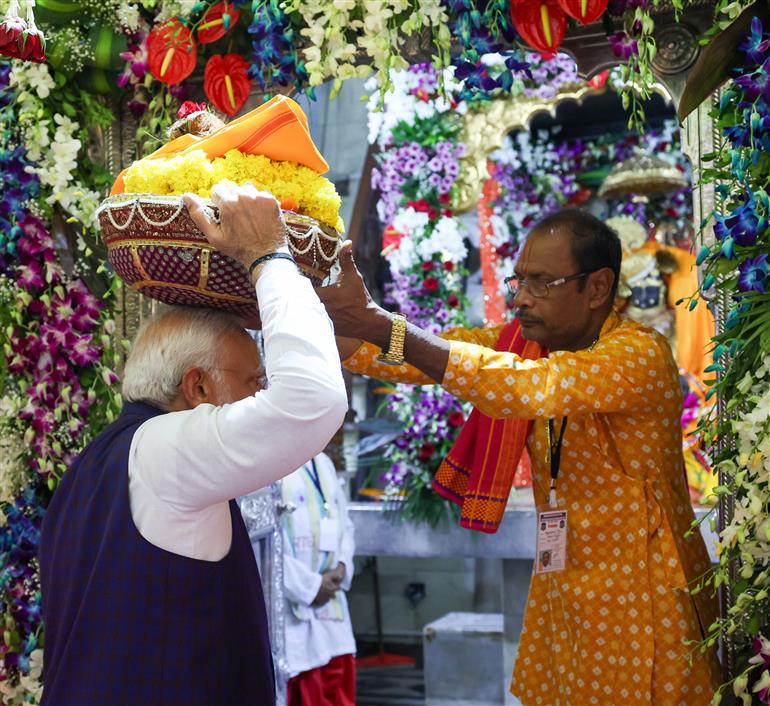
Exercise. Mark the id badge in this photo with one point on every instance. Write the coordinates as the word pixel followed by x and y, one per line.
pixel 551 552
pixel 328 539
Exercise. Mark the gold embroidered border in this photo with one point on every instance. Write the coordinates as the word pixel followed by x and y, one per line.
pixel 138 262
pixel 192 288
pixel 204 276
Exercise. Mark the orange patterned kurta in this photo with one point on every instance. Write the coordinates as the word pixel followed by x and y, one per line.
pixel 608 630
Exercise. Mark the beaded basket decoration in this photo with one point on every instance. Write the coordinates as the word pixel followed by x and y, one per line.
pixel 154 247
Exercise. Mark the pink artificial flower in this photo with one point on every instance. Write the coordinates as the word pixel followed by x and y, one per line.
pixel 84 353
pixel 30 276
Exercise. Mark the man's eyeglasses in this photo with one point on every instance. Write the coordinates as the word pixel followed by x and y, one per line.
pixel 538 288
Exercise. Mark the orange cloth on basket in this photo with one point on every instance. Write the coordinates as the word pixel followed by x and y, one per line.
pixel 278 130
pixel 479 471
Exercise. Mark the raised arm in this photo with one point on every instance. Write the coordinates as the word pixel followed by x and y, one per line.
pixel 619 374
pixel 209 454
pixel 363 329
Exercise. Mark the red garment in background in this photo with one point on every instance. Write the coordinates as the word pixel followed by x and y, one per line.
pixel 334 684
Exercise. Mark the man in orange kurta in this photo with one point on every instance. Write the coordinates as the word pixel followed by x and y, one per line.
pixel 610 628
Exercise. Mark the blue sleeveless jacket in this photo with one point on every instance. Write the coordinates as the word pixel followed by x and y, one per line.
pixel 130 624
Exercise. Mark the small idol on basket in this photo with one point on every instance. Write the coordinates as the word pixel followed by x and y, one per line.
pixel 155 247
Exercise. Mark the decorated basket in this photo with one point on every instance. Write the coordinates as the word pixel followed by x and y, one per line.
pixel 154 246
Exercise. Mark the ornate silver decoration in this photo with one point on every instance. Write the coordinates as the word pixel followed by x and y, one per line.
pixel 261 511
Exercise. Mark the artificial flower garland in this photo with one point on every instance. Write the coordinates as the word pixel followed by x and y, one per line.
pixel 58 384
pixel 736 265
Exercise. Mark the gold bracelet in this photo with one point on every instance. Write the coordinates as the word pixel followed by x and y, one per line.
pixel 395 354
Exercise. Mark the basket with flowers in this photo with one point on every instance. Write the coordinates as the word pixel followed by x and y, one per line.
pixel 152 242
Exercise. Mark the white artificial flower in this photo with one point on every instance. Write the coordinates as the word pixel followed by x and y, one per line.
pixel 446 240
pixel 128 16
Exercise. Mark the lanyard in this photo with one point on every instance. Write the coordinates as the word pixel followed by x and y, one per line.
pixel 554 455
pixel 316 482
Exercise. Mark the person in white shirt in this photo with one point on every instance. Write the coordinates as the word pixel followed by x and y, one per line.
pixel 151 593
pixel 318 550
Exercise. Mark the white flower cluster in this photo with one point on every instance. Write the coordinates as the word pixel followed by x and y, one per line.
pixel 127 15
pixel 13 475
pixel 30 687
pixel 445 239
pixel 174 8
pixel 535 156
pixel 53 145
pixel 337 39
pixel 400 103
pixel 749 530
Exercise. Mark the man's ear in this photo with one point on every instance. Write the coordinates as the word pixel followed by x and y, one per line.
pixel 600 287
pixel 195 387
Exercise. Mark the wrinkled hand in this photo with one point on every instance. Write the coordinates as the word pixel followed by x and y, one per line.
pixel 250 222
pixel 327 590
pixel 350 306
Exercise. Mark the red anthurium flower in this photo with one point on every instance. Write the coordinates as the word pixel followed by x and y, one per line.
pixel 542 24
pixel 226 82
pixel 188 108
pixel 584 11
pixel 216 22
pixel 391 239
pixel 171 52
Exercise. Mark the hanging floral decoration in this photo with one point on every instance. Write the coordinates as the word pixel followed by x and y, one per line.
pixel 227 83
pixel 736 265
pixel 172 52
pixel 541 24
pixel 216 22
pixel 57 387
pixel 584 11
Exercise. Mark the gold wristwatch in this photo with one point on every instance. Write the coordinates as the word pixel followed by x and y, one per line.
pixel 395 354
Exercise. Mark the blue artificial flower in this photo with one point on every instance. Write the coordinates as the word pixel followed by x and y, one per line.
pixel 755 46
pixel 728 248
pixel 756 83
pixel 739 135
pixel 513 64
pixel 752 274
pixel 745 224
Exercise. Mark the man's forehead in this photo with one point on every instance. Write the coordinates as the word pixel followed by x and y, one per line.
pixel 545 252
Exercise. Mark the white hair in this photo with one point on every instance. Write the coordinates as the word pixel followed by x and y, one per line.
pixel 167 346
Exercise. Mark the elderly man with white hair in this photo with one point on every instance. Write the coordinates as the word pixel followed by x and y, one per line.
pixel 151 592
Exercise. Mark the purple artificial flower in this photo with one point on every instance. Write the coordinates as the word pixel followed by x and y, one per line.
pixel 624 46
pixel 752 274
pixel 756 83
pixel 755 45
pixel 30 277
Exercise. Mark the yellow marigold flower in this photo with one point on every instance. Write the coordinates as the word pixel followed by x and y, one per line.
pixel 298 188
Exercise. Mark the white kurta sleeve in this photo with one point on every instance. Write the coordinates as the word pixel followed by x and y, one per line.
pixel 300 583
pixel 197 458
pixel 347 549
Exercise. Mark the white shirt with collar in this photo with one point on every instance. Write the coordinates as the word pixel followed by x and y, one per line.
pixel 184 467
